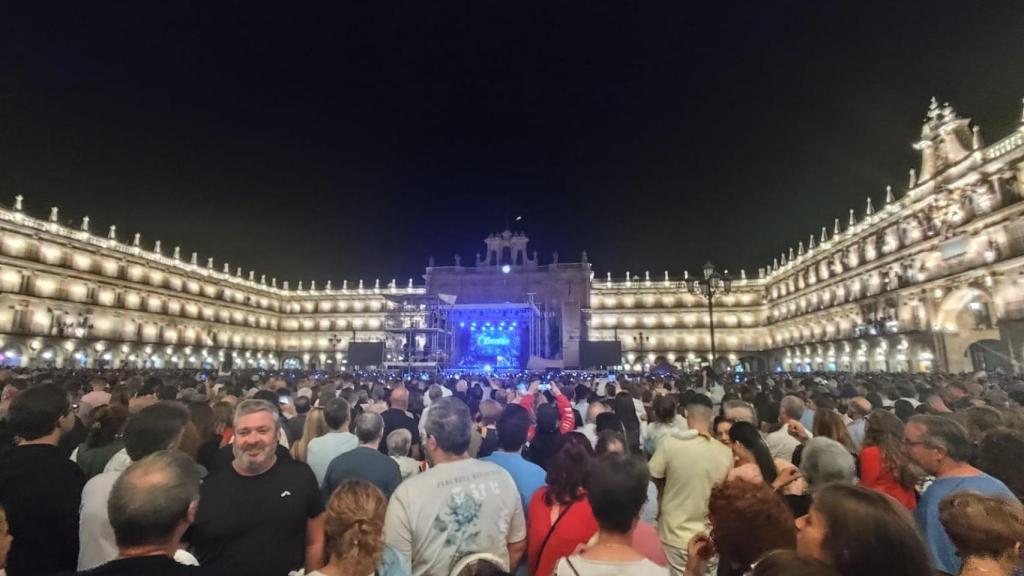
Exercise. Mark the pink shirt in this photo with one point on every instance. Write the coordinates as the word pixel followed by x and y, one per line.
pixel 752 473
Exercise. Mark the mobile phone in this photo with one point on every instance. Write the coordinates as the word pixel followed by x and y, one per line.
pixel 284 399
pixel 611 376
pixel 521 387
pixel 545 385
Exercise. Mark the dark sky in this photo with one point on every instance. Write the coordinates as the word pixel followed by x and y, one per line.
pixel 357 139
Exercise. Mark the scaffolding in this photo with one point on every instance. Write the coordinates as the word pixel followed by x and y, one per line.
pixel 418 326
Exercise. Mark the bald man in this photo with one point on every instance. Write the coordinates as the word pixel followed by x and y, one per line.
pixel 397 416
pixel 857 409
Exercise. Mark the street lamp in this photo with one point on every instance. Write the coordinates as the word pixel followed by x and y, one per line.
pixel 334 340
pixel 641 339
pixel 708 287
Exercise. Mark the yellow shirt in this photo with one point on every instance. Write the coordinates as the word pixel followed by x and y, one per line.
pixel 691 465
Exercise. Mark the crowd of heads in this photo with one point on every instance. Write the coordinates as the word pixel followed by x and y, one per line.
pixel 174 429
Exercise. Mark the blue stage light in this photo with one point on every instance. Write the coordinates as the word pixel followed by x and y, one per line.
pixel 505 269
pixel 462 324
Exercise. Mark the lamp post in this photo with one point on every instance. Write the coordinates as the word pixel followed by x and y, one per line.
pixel 334 340
pixel 712 284
pixel 641 339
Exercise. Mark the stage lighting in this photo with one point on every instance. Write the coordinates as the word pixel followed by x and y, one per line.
pixel 505 269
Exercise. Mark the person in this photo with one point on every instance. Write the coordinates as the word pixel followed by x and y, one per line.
pixel 666 420
pixel 338 440
pixel 860 531
pixel 780 442
pixel 263 515
pixel 354 525
pixel 940 446
pixel 296 424
pixel 152 504
pixel 40 488
pixel 559 517
pixel 313 426
pixel 616 491
pixel 988 532
pixel 594 409
pixel 156 427
pixel 740 411
pixel 789 563
pixel 625 409
pixel 513 427
pixel 721 429
pixel 546 439
pixel 5 541
pixel 104 439
pixel 457 507
pixel 397 417
pixel 754 462
pixel 686 465
pixel 884 465
pixel 857 410
pixel 398 443
pixel 490 410
pixel 365 462
pixel 999 453
pixel 739 541
pixel 98 395
pixel 828 424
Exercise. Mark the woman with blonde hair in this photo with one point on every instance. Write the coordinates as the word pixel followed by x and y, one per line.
pixel 354 526
pixel 314 427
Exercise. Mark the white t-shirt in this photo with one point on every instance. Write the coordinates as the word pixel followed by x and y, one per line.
pixel 782 444
pixel 584 567
pixel 439 516
pixel 96 537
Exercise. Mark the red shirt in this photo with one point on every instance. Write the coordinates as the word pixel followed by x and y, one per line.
pixel 874 474
pixel 577 527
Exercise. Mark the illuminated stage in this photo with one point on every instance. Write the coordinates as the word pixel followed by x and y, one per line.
pixel 492 337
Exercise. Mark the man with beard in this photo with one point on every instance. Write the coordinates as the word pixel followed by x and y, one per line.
pixel 262 515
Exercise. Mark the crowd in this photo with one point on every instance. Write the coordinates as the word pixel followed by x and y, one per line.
pixel 175 473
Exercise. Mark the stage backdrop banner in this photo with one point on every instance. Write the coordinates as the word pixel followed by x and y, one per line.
pixel 600 354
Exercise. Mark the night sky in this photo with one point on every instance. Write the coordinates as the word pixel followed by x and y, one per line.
pixel 356 140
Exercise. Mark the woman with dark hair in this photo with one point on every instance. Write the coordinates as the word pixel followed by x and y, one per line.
pixel 721 429
pixel 625 409
pixel 616 490
pixel 559 517
pixel 754 462
pixel 884 465
pixel 546 438
pixel 999 455
pixel 104 439
pixel 664 418
pixel 988 532
pixel 747 522
pixel 610 441
pixel 860 531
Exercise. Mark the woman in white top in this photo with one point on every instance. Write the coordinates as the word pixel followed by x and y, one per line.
pixel 617 489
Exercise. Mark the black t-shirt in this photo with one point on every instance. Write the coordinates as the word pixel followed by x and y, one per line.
pixel 395 419
pixel 255 525
pixel 147 565
pixel 42 492
pixel 364 464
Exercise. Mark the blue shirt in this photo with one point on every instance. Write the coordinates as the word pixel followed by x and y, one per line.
pixel 527 475
pixel 940 548
pixel 808 418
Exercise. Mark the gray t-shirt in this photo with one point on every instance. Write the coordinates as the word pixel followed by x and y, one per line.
pixel 439 516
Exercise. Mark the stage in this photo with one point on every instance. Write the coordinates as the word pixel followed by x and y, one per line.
pixel 492 337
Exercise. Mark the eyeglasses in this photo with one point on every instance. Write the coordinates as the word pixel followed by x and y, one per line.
pixel 908 442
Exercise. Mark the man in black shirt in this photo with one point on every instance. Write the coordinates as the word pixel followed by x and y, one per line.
pixel 397 416
pixel 263 514
pixel 151 505
pixel 39 487
pixel 364 462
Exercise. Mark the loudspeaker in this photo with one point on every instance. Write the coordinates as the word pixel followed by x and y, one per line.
pixel 600 354
pixel 365 353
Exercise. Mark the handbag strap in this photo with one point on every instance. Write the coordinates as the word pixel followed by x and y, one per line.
pixel 547 537
pixel 571 567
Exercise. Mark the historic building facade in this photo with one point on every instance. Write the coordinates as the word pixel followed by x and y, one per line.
pixel 930 279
